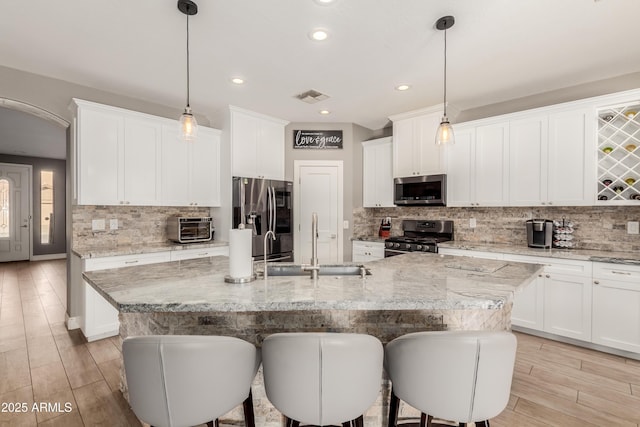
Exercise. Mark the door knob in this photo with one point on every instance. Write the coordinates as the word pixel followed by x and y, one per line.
pixel 24 226
pixel 333 236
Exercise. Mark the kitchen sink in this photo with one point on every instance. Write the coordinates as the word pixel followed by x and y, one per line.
pixel 325 270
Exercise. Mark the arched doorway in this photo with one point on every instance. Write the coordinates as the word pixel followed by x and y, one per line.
pixel 34 137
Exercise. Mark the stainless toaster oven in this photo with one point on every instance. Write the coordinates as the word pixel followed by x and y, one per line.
pixel 189 230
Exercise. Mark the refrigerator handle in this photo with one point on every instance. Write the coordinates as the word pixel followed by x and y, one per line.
pixel 273 207
pixel 269 208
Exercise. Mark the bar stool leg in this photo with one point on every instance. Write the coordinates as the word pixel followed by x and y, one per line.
pixel 247 407
pixel 394 405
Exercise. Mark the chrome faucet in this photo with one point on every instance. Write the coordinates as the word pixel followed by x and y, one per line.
pixel 315 266
pixel 266 236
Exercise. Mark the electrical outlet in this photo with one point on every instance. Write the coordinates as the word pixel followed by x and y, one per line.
pixel 97 225
pixel 633 227
pixel 345 224
pixel 113 224
pixel 472 223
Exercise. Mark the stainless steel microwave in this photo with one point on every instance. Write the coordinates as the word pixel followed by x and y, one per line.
pixel 422 190
pixel 189 230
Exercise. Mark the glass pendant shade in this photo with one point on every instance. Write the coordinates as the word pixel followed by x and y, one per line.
pixel 188 126
pixel 444 135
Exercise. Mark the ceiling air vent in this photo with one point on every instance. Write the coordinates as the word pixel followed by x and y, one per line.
pixel 311 96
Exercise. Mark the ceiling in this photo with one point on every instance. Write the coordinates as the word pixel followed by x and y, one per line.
pixel 498 50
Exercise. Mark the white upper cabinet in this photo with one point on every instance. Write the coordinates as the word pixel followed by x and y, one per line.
pixel 377 176
pixel 571 157
pixel 532 158
pixel 527 161
pixel 257 145
pixel 191 170
pixel 141 161
pixel 414 148
pixel 461 168
pixel 117 157
pixel 491 164
pixel 123 157
pixel 550 159
pixel 99 143
pixel 477 166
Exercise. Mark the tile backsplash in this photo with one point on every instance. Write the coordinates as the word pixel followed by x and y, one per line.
pixel 136 224
pixel 599 228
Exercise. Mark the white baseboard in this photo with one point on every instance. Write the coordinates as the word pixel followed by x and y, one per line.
pixel 72 322
pixel 48 257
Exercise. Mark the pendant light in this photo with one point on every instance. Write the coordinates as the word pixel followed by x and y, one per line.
pixel 188 125
pixel 444 135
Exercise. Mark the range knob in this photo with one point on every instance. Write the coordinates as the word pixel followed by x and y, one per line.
pixel 396 245
pixel 389 244
pixel 419 247
pixel 426 249
pixel 407 245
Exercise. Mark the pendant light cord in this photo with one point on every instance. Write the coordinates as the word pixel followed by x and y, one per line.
pixel 445 72
pixel 188 72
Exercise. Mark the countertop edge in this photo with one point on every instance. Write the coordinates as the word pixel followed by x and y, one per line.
pixel 101 252
pixel 628 258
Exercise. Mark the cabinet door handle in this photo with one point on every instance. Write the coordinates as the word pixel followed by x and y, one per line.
pixel 596 282
pixel 131 262
pixel 547 276
pixel 625 273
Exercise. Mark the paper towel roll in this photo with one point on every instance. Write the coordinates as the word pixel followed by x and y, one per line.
pixel 240 262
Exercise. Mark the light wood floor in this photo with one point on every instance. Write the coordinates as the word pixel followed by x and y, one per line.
pixel 41 361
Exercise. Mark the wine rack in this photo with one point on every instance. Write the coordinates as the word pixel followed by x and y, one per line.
pixel 619 154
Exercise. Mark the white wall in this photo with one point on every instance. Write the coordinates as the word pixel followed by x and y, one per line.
pixel 351 155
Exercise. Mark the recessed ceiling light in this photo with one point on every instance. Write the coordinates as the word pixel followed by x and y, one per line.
pixel 403 87
pixel 324 2
pixel 324 112
pixel 318 34
pixel 237 80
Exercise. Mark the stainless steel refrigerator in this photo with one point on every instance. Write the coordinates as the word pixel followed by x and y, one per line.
pixel 263 205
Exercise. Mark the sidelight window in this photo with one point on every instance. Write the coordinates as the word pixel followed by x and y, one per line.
pixel 4 209
pixel 46 207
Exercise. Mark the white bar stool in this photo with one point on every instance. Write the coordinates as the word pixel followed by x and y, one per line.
pixel 462 376
pixel 186 380
pixel 322 378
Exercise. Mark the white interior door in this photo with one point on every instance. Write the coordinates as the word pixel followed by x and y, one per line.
pixel 15 224
pixel 318 188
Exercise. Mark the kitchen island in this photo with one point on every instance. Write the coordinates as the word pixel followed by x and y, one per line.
pixel 407 293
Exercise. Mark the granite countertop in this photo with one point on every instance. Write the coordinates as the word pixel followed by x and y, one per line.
pixel 104 251
pixel 632 258
pixel 412 281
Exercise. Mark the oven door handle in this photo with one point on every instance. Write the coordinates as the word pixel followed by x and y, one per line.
pixel 395 251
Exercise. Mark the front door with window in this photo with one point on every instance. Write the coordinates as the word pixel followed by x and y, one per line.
pixel 15 187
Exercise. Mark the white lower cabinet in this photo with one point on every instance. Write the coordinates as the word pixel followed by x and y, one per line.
pixel 100 318
pixel 616 306
pixel 559 301
pixel 199 253
pixel 528 306
pixel 363 251
pixel 567 306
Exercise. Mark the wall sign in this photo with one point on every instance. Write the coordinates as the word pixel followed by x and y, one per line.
pixel 317 139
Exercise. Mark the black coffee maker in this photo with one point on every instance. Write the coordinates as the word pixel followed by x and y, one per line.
pixel 539 233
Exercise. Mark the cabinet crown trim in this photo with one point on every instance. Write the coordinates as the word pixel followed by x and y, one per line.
pixel 452 111
pixel 165 121
pixel 235 109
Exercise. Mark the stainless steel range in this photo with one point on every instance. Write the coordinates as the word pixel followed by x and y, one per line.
pixel 419 236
